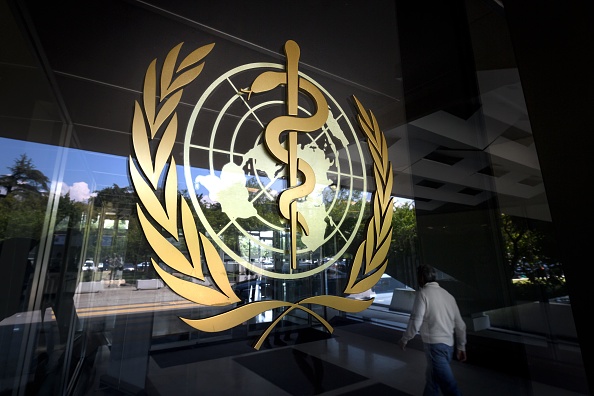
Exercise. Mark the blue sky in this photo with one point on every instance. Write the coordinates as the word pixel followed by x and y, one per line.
pixel 84 171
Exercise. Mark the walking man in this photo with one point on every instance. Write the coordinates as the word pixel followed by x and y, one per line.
pixel 436 315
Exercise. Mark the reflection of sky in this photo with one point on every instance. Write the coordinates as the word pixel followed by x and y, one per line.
pixel 84 171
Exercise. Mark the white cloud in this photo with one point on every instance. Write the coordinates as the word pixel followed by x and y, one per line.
pixel 79 192
pixel 398 201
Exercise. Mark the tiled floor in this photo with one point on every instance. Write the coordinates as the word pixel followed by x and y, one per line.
pixel 357 359
pixel 360 357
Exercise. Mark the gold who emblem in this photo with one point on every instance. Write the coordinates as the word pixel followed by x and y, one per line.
pixel 155 124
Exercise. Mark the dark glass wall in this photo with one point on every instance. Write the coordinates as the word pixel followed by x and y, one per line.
pixel 482 169
pixel 552 45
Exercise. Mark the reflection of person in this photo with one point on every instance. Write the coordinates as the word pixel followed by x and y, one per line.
pixel 436 315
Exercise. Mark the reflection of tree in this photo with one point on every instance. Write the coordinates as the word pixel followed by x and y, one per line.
pixel 265 204
pixel 345 206
pixel 522 245
pixel 525 252
pixel 24 209
pixel 404 234
pixel 217 220
pixel 403 246
pixel 24 178
pixel 69 212
pixel 23 205
pixel 21 218
pixel 119 203
pixel 137 249
pixel 120 200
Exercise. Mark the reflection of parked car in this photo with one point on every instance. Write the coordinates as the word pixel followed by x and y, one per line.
pixel 128 267
pixel 89 265
pixel 143 266
pixel 253 289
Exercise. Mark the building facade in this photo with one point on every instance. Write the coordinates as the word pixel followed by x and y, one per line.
pixel 143 211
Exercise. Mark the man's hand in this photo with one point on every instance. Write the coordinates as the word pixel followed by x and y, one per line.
pixel 402 345
pixel 461 355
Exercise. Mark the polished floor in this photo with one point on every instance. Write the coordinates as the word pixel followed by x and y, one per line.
pixel 360 357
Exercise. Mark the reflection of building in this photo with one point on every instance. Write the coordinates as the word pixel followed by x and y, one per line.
pixel 483 109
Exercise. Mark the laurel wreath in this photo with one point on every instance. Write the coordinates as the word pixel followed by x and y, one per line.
pixel 162 210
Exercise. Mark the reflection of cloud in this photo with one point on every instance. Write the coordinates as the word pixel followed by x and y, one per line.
pixel 63 187
pixel 79 191
pixel 398 201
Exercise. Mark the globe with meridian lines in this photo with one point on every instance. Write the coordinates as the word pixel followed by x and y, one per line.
pixel 233 181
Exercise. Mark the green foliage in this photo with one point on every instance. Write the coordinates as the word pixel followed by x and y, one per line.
pixel 137 248
pixel 121 200
pixel 24 179
pixel 522 243
pixel 119 204
pixel 542 277
pixel 404 233
pixel 539 289
pixel 23 207
pixel 264 202
pixel 22 218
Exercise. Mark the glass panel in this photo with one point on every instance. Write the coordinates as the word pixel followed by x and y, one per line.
pixel 481 209
pixel 37 259
pixel 24 206
pixel 119 308
pixel 90 297
pixel 531 265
